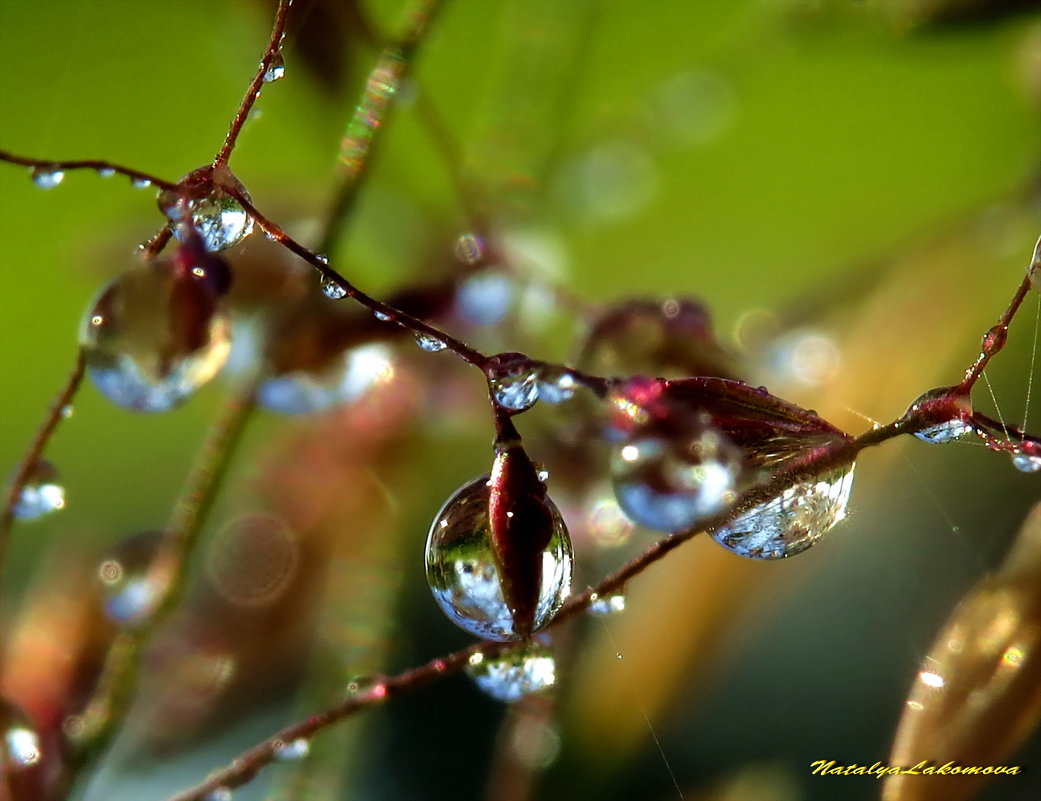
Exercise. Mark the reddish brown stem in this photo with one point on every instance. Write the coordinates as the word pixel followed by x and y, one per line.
pixel 994 340
pixel 50 423
pixel 96 165
pixel 274 48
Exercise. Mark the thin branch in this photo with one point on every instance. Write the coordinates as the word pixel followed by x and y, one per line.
pixel 271 54
pixel 995 338
pixel 370 113
pixel 99 166
pixel 55 415
pixel 166 574
pixel 388 313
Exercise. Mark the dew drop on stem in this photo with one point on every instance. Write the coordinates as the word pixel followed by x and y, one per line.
pixel 516 673
pixel 332 290
pixel 21 751
pixel 556 384
pixel 276 69
pixel 1026 463
pixel 217 217
pixel 793 521
pixel 129 596
pixel 943 433
pixel 514 382
pixel 293 750
pixel 607 605
pixel 461 566
pixel 47 177
pixel 41 494
pixel 429 343
pixel 153 337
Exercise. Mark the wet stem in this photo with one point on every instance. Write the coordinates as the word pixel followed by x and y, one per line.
pixel 106 710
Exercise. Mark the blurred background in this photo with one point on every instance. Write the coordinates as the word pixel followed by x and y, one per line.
pixel 851 188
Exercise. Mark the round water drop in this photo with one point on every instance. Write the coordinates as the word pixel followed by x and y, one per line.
pixel 383 317
pixel 21 753
pixel 461 569
pixel 220 794
pixel 47 177
pixel 669 483
pixel 197 205
pixel 429 343
pixel 41 494
pixel 514 385
pixel 792 522
pixel 140 183
pixel 556 385
pixel 944 432
pixel 346 378
pixel 293 750
pixel 332 290
pixel 514 674
pixel 106 172
pixel 607 605
pixel 130 596
pixel 151 339
pixel 1026 463
pixel 276 69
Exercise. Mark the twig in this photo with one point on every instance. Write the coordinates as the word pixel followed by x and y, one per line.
pixel 96 165
pixel 271 53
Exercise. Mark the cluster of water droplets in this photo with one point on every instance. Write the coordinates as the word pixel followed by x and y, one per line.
pixel 41 493
pixel 791 522
pixel 153 337
pixel 516 673
pixel 461 566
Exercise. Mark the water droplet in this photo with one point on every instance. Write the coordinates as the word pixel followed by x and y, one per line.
pixel 21 753
pixel 367 684
pixel 469 248
pixel 216 217
pixel 792 522
pixel 220 794
pixel 152 338
pixel 322 258
pixel 41 494
pixel 514 383
pixel 346 378
pixel 140 183
pixel 106 172
pixel 944 432
pixel 607 605
pixel 516 673
pixel 47 177
pixel 276 69
pixel 429 343
pixel 383 317
pixel 332 290
pixel 669 482
pixel 293 750
pixel 556 384
pixel 1026 463
pixel 67 411
pixel 130 596
pixel 461 568
pixel 485 299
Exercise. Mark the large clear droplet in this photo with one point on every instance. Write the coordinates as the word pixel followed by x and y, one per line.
pixel 20 747
pixel 347 378
pixel 944 432
pixel 217 218
pixel 47 177
pixel 792 522
pixel 669 483
pixel 461 570
pixel 41 493
pixel 130 596
pixel 516 673
pixel 151 339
